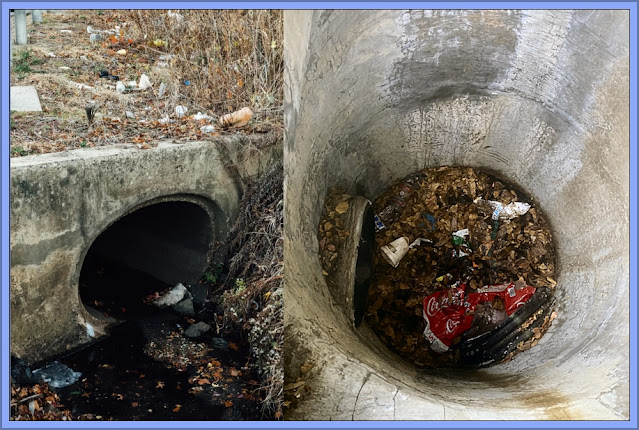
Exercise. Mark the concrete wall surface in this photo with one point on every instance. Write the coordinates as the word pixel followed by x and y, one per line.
pixel 538 97
pixel 61 202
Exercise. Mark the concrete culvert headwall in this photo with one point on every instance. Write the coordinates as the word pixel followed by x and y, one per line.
pixel 539 98
pixel 158 211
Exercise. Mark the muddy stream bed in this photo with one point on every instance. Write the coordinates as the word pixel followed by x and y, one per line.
pixel 147 369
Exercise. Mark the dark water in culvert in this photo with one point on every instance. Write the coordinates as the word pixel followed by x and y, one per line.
pixel 147 369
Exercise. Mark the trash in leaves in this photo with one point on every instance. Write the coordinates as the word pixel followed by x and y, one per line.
pixel 474 240
pixel 238 118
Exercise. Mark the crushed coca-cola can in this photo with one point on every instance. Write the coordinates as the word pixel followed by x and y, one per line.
pixel 450 313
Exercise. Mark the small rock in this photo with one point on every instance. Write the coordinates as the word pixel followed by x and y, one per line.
pixel 95 38
pixel 185 307
pixel 180 111
pixel 197 330
pixel 129 114
pixel 64 68
pixel 171 298
pixel 219 343
pixel 162 89
pixel 120 87
pixel 84 58
pixel 208 129
pixel 199 293
pixel 145 82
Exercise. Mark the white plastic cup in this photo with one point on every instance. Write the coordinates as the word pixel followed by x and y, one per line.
pixel 395 251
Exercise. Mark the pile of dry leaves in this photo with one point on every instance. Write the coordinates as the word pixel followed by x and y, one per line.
pixel 37 402
pixel 498 252
pixel 442 201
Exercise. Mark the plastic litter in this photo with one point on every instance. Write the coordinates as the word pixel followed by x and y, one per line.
pixel 450 313
pixel 145 82
pixel 57 375
pixel 180 111
pixel 122 52
pixel 208 129
pixel 237 119
pixel 198 116
pixel 396 204
pixel 162 89
pixel 431 220
pixel 395 251
pixel 120 87
pixel 81 86
pixel 459 237
pixel 95 38
pixel 499 211
pixel 173 297
pixel 419 241
pixel 176 16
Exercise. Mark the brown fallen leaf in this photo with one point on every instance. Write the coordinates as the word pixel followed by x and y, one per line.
pixel 228 403
pixel 203 381
pixel 177 408
pixel 341 207
pixel 294 385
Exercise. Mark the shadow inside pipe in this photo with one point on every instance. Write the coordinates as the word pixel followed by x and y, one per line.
pixel 143 253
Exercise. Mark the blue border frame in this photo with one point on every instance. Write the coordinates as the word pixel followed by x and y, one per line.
pixel 293 4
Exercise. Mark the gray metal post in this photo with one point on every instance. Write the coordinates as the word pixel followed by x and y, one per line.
pixel 10 52
pixel 21 26
pixel 37 16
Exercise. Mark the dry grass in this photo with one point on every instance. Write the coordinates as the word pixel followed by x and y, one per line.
pixel 254 298
pixel 231 58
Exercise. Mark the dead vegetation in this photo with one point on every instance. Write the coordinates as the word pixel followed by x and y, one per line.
pixel 253 300
pixel 493 252
pixel 207 62
pixel 231 58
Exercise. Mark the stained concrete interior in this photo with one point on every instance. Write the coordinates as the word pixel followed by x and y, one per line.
pixel 538 97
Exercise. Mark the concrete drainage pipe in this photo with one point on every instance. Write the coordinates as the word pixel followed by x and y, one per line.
pixel 537 97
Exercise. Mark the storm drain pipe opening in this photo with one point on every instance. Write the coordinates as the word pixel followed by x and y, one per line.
pixel 146 251
pixel 460 88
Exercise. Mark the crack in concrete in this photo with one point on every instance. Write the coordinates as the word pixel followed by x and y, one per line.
pixel 395 404
pixel 368 375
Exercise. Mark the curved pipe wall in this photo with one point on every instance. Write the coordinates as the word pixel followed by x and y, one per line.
pixel 537 97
